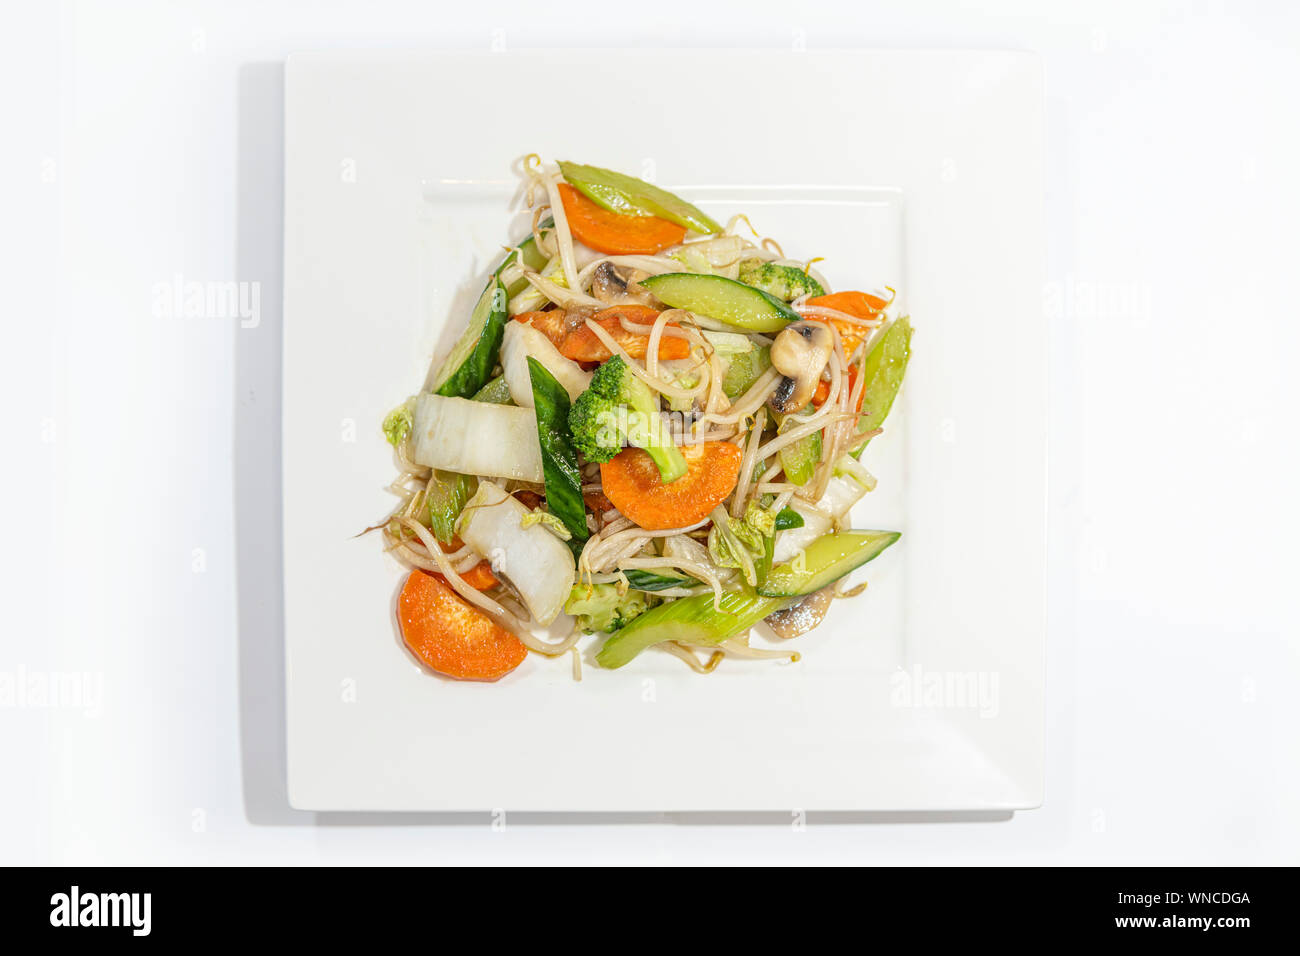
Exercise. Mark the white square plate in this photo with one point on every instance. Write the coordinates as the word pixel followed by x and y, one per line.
pixel 923 694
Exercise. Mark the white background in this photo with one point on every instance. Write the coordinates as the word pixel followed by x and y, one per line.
pixel 142 141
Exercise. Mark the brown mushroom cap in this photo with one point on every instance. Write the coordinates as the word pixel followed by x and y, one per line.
pixel 802 617
pixel 619 287
pixel 800 353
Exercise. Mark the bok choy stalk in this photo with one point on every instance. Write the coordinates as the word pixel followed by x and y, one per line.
pixel 521 343
pixel 537 564
pixel 476 438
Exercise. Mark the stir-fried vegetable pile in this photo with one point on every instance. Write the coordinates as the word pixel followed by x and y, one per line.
pixel 653 425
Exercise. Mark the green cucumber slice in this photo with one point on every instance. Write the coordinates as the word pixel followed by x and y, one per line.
pixel 495 392
pixel 826 560
pixel 619 192
pixel 469 366
pixel 723 299
pixel 534 259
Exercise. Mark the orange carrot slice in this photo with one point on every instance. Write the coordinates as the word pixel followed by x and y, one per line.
pixel 615 233
pixel 631 482
pixel 553 324
pixel 823 390
pixel 582 345
pixel 450 636
pixel 860 305
pixel 479 577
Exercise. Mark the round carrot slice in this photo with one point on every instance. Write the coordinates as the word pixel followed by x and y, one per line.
pixel 631 482
pixel 616 233
pixel 450 636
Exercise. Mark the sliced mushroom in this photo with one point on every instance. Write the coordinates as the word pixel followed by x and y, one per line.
pixel 802 617
pixel 613 287
pixel 800 353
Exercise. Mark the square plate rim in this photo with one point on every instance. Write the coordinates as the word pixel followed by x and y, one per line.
pixel 1030 790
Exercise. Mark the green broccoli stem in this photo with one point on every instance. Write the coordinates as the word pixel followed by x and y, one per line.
pixel 666 455
pixel 645 429
pixel 619 409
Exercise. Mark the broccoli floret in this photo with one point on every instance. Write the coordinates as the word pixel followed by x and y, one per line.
pixel 599 607
pixel 619 409
pixel 785 282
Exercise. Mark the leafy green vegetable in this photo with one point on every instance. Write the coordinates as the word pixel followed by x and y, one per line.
pixel 644 580
pixel 469 366
pixel 495 392
pixel 744 369
pixel 788 518
pixel 762 520
pixel 787 283
pixel 617 409
pixel 735 544
pixel 763 563
pixel 399 422
pixel 601 607
pixel 631 196
pixel 548 521
pixel 446 496
pixel 560 474
pixel 885 366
